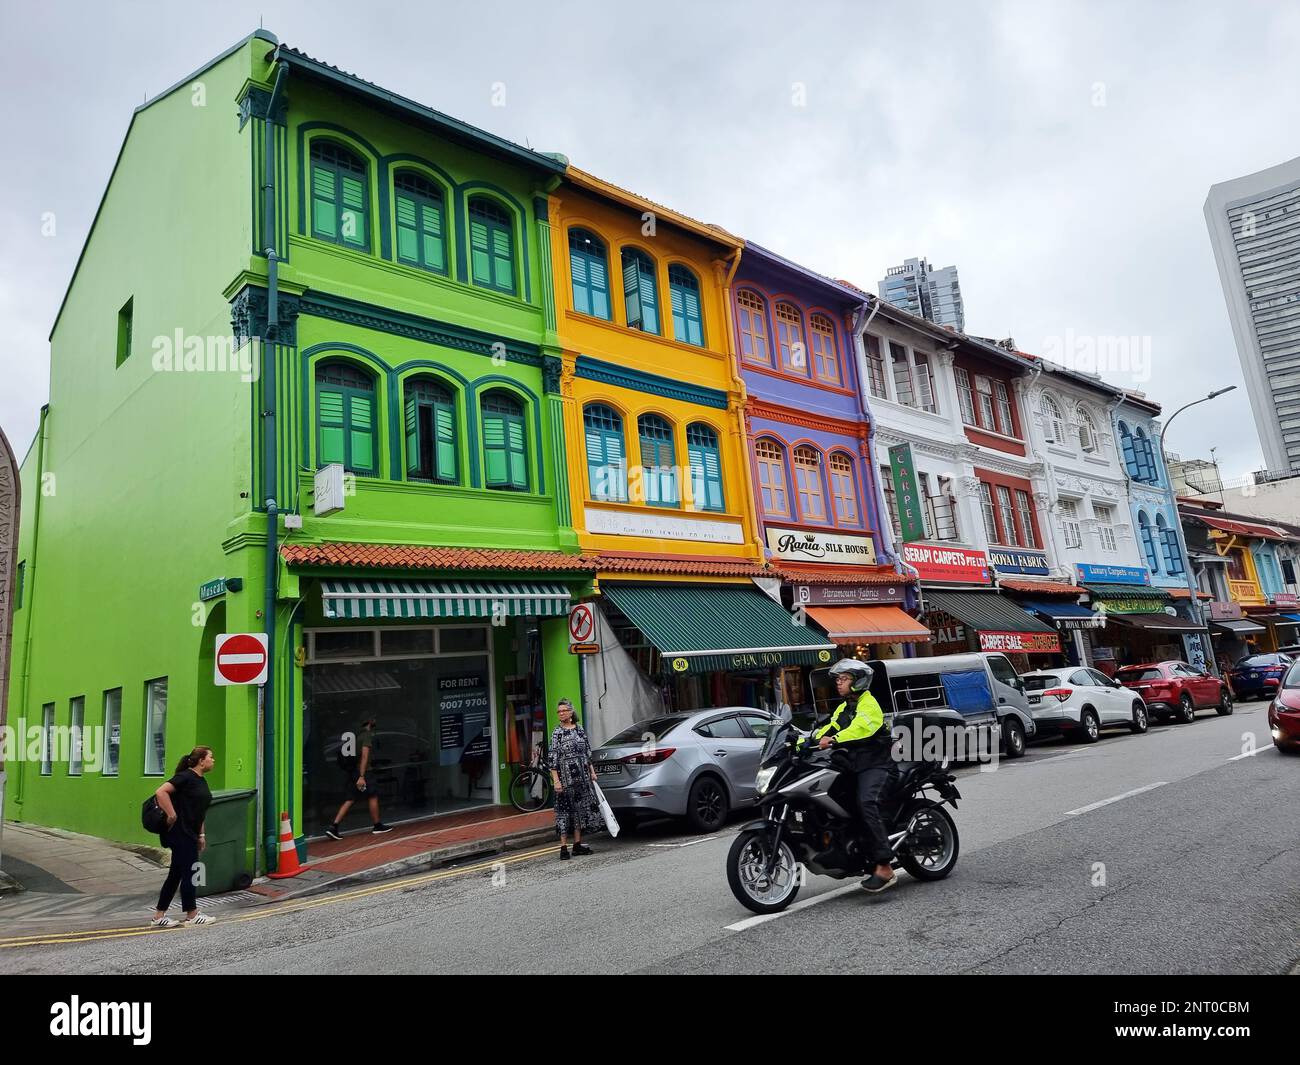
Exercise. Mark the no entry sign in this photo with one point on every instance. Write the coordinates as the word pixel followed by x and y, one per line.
pixel 582 623
pixel 241 658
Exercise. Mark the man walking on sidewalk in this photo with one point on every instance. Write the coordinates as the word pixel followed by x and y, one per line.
pixel 355 785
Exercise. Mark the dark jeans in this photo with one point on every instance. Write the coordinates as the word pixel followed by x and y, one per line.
pixel 185 852
pixel 871 784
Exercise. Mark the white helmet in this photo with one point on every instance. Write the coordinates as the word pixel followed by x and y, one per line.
pixel 859 672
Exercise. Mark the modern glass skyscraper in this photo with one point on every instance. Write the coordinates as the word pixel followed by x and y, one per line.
pixel 933 294
pixel 1255 231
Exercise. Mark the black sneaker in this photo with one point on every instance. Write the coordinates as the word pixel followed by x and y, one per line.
pixel 333 832
pixel 564 854
pixel 581 848
pixel 875 885
pixel 380 828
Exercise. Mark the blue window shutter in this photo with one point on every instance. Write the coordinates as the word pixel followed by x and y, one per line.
pixel 581 281
pixel 598 279
pixel 632 292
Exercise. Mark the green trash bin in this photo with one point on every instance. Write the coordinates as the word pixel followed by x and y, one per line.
pixel 229 828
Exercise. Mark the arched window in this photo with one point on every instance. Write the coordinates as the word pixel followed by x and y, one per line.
pixel 1129 451
pixel 771 478
pixel 606 460
pixel 843 489
pixel 826 361
pixel 640 293
pixel 430 416
pixel 340 198
pixel 491 245
pixel 706 466
pixel 808 483
pixel 1053 423
pixel 789 339
pixel 684 294
pixel 505 442
pixel 751 316
pixel 589 268
pixel 658 464
pixel 1148 542
pixel 1173 552
pixel 345 418
pixel 421 222
pixel 1087 429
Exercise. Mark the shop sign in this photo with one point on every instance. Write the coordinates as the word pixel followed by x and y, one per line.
pixel 1128 606
pixel 955 565
pixel 1032 643
pixel 847 594
pixel 1285 599
pixel 950 637
pixel 807 546
pixel 662 526
pixel 463 711
pixel 1026 562
pixel 1096 574
pixel 1221 611
pixel 328 489
pixel 907 497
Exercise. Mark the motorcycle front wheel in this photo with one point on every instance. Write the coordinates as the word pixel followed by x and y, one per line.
pixel 747 875
pixel 930 850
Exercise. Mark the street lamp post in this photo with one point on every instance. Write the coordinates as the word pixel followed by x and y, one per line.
pixel 1197 615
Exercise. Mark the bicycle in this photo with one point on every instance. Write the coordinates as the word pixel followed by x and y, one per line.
pixel 531 788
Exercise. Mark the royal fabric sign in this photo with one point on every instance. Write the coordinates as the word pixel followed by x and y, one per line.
pixel 1027 562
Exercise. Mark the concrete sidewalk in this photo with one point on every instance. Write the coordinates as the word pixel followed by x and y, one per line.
pixel 52 861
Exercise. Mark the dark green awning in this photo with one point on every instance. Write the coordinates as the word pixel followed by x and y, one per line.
pixel 701 628
pixel 985 612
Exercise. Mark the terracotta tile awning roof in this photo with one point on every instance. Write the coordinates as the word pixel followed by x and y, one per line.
pixel 795 573
pixel 687 567
pixel 1243 528
pixel 420 556
pixel 1040 587
pixel 1183 593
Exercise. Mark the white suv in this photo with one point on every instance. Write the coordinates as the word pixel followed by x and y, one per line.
pixel 1080 702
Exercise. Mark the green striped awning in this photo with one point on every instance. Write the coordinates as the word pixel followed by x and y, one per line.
pixel 443 599
pixel 702 628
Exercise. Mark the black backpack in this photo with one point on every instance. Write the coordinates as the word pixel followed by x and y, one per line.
pixel 152 816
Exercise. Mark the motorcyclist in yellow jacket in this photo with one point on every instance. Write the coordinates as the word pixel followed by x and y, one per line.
pixel 860 732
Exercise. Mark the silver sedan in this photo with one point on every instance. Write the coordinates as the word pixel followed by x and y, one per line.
pixel 698 765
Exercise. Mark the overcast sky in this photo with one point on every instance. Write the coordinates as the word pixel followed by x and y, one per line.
pixel 1058 154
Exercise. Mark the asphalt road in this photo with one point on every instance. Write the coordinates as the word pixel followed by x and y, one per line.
pixel 1193 868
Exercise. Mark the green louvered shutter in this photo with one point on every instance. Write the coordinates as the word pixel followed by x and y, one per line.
pixel 503 259
pixel 518 453
pixel 330 419
pixel 413 449
pixel 361 426
pixel 352 226
pixel 445 452
pixel 408 230
pixel 494 449
pixel 435 249
pixel 324 206
pixel 482 260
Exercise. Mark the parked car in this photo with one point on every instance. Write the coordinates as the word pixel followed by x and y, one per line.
pixel 1284 712
pixel 699 765
pixel 1259 676
pixel 1079 702
pixel 1175 689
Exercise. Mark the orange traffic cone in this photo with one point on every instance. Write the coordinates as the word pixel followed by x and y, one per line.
pixel 288 865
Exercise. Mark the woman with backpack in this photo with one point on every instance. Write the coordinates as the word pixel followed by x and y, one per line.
pixel 185 800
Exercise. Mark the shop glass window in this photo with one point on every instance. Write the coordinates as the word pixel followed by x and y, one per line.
pixel 491 245
pixel 430 416
pixel 331 644
pixel 421 216
pixel 346 429
pixel 340 202
pixel 965 396
pixel 990 513
pixel 456 641
pixel 112 731
pixel 1026 512
pixel 1236 567
pixel 505 446
pixel 875 366
pixel 706 466
pixel 808 479
pixel 751 316
pixel 1007 424
pixel 904 393
pixel 606 461
pixel 684 298
pixel 843 488
pixel 640 291
pixel 826 361
pixel 986 411
pixel 771 478
pixel 658 463
pixel 1105 526
pixel 789 339
pixel 47 739
pixel 155 715
pixel 589 270
pixel 77 719
pixel 1070 523
pixel 891 501
pixel 394 642
pixel 1010 533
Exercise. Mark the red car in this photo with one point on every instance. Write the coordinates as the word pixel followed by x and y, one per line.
pixel 1284 712
pixel 1175 689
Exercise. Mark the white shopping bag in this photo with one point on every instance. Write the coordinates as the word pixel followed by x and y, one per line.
pixel 611 822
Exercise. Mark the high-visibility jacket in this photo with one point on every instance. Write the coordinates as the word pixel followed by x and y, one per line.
pixel 863 723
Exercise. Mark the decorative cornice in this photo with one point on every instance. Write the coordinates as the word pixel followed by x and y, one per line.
pixel 776 412
pixel 552 373
pixel 638 381
pixel 925 446
pixel 254 102
pixel 248 316
pixel 415 327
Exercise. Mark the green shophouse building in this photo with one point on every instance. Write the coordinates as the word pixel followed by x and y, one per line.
pixel 385 273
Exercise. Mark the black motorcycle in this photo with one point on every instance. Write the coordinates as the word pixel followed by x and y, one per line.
pixel 811 823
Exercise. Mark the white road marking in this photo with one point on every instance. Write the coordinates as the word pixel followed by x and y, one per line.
pixel 1116 798
pixel 689 842
pixel 1248 754
pixel 763 918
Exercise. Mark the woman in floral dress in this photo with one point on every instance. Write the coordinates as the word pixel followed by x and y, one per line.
pixel 576 805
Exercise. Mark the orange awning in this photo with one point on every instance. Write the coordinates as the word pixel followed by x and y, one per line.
pixel 868 624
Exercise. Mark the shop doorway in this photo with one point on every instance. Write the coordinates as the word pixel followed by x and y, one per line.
pixel 429 691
